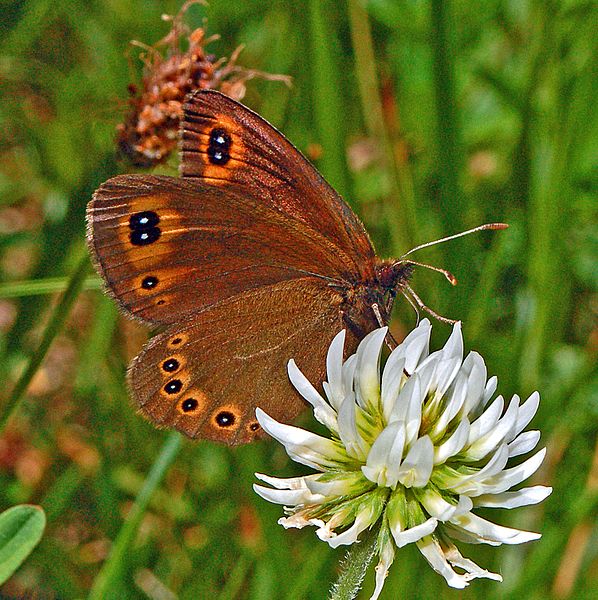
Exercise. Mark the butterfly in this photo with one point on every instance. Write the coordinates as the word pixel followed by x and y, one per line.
pixel 247 260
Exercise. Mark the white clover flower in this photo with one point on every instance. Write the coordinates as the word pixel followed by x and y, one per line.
pixel 417 449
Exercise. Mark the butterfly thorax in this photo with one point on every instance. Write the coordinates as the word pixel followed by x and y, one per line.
pixel 364 302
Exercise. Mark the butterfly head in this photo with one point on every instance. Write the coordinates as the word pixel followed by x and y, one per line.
pixel 393 275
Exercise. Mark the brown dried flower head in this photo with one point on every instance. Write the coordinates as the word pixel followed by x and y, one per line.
pixel 177 65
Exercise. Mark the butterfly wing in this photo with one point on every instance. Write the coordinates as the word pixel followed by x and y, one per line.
pixel 206 376
pixel 169 247
pixel 249 259
pixel 224 143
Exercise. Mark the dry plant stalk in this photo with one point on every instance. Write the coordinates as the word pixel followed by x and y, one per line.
pixel 150 130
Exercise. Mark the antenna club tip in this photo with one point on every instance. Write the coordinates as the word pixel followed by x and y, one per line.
pixel 453 280
pixel 497 226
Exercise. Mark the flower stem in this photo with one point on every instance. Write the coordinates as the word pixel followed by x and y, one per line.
pixel 354 566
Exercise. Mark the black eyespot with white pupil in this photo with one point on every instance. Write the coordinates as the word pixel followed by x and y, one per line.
pixel 144 228
pixel 219 146
pixel 189 405
pixel 170 365
pixel 144 220
pixel 225 419
pixel 173 387
pixel 149 282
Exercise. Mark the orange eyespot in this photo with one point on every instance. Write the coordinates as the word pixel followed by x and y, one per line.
pixel 178 340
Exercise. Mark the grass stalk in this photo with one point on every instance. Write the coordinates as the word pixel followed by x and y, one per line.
pixel 327 98
pixel 108 580
pixel 61 312
pixel 447 117
pixel 400 211
pixel 41 287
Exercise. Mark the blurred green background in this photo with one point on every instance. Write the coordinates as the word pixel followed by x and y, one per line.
pixel 430 117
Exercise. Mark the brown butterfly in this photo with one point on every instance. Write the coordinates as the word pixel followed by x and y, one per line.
pixel 247 260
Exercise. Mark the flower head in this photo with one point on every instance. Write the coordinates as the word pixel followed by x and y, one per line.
pixel 416 449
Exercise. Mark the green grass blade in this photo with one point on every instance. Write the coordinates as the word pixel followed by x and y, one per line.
pixel 57 320
pixel 108 578
pixel 447 118
pixel 40 287
pixel 400 212
pixel 236 580
pixel 327 98
pixel 21 529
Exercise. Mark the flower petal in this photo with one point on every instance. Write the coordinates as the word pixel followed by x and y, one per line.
pixel 335 389
pixel 386 553
pixel 344 483
pixel 348 431
pixel 501 430
pixel 433 553
pixel 475 369
pixel 384 457
pixel 287 497
pixel 486 421
pixel 508 478
pixel 486 531
pixel 299 521
pixel 392 382
pixel 416 468
pixel 454 345
pixel 413 534
pixel 522 497
pixel 414 348
pixel 303 446
pixel 323 412
pixel 435 505
pixel 473 571
pixel 368 370
pixel 526 413
pixel 525 442
pixel 453 445
pixel 289 483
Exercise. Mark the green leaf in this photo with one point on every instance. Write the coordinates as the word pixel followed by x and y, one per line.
pixel 21 529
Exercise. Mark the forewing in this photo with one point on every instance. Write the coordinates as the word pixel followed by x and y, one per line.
pixel 224 142
pixel 169 247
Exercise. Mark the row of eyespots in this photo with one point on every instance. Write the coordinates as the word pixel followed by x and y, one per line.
pixel 224 418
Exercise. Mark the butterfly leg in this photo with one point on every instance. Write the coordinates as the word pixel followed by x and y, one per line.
pixel 389 339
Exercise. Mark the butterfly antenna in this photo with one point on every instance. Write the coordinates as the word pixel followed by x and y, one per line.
pixel 456 235
pixel 451 278
pixel 420 303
